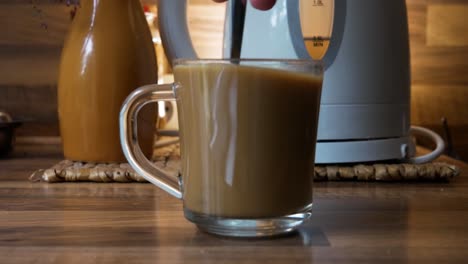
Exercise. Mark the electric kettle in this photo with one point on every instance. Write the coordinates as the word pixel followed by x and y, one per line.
pixel 365 106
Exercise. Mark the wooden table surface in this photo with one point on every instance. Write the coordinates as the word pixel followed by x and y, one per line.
pixel 137 223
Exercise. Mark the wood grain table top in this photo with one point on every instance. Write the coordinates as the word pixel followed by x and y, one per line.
pixel 138 223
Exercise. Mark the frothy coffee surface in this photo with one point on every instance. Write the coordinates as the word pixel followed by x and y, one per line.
pixel 248 139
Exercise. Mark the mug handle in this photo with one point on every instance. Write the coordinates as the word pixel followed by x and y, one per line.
pixel 129 136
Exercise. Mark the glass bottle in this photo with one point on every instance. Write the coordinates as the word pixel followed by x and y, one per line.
pixel 108 53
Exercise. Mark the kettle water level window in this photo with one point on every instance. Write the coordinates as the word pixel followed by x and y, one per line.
pixel 317 25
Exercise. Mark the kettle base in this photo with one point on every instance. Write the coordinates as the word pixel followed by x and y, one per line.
pixel 354 151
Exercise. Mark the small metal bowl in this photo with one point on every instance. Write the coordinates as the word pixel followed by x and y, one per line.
pixel 7 133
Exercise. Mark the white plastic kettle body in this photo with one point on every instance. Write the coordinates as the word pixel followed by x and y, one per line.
pixel 365 107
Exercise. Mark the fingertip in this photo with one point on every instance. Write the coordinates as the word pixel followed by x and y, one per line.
pixel 263 4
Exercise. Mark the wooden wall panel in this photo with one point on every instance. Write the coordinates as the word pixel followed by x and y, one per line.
pixel 30 46
pixel 439 63
pixel 206 24
pixel 445 24
pixel 22 25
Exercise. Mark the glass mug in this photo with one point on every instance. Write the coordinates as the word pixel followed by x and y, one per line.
pixel 248 131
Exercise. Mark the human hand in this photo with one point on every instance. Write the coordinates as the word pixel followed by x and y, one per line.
pixel 259 4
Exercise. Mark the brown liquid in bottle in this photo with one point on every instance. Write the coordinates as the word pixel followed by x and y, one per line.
pixel 108 53
pixel 248 139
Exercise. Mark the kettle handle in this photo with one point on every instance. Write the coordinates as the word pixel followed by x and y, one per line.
pixel 172 15
pixel 440 145
pixel 338 28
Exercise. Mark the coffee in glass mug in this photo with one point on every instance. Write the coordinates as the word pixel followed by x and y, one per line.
pixel 248 131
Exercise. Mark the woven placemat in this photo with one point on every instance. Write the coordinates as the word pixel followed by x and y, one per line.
pixel 167 158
